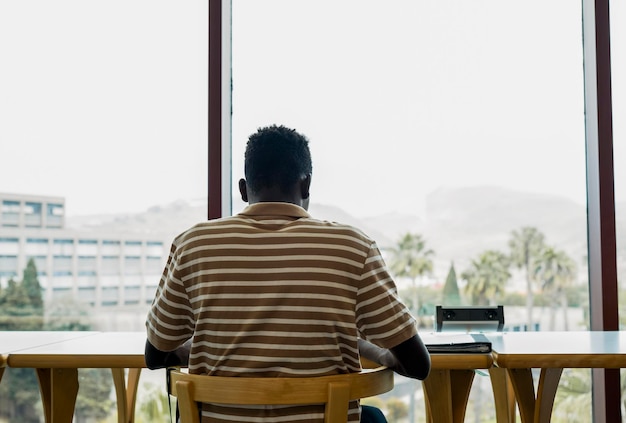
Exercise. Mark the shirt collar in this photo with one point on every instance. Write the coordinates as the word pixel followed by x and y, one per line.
pixel 275 209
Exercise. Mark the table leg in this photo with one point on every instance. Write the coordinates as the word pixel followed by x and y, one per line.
pixel 546 392
pixel 58 388
pixel 503 395
pixel 537 409
pixel 120 394
pixel 126 394
pixel 522 381
pixel 131 392
pixel 3 363
pixel 447 392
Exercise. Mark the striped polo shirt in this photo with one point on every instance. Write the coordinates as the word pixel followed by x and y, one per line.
pixel 273 292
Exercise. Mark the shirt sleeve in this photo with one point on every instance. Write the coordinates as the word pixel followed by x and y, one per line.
pixel 170 319
pixel 382 318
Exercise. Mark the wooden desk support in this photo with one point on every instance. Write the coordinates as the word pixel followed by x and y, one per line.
pixel 58 388
pixel 448 386
pixel 535 408
pixel 3 363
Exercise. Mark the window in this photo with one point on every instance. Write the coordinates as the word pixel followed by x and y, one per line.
pixel 63 246
pixel 10 213
pixel 54 215
pixel 37 246
pixel 452 121
pixel 133 248
pixel 32 214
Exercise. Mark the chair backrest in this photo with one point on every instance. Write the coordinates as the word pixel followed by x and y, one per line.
pixel 334 391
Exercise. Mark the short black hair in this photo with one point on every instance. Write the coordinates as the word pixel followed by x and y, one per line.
pixel 276 156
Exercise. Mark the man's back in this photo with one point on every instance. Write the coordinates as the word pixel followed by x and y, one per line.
pixel 273 292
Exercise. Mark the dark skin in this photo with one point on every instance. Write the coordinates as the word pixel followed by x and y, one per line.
pixel 409 358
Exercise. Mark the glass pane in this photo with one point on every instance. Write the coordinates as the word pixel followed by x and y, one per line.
pixel 103 122
pixel 457 123
pixel 103 117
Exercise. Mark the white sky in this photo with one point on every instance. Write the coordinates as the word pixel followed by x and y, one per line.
pixel 104 103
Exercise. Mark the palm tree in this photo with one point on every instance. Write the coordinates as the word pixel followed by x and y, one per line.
pixel 525 246
pixel 556 271
pixel 487 277
pixel 410 258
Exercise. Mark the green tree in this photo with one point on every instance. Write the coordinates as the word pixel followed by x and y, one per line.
pixel 487 277
pixel 451 296
pixel 410 258
pixel 555 271
pixel 31 285
pixel 21 308
pixel 525 246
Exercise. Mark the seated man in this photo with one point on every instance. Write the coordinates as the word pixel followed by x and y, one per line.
pixel 274 292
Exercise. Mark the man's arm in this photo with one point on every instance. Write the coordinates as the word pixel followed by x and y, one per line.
pixel 409 358
pixel 157 359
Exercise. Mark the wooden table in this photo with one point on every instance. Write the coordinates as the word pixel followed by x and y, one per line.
pixel 448 386
pixel 446 389
pixel 11 341
pixel 551 352
pixel 57 367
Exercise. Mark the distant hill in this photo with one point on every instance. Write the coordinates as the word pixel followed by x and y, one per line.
pixel 459 223
pixel 462 222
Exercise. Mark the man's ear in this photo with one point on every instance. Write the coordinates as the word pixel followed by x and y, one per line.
pixel 305 186
pixel 243 189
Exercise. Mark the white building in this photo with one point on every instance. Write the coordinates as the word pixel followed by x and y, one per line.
pixel 99 268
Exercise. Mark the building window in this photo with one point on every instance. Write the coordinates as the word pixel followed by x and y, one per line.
pixel 60 293
pixel 87 294
pixel 154 265
pixel 63 247
pixel 36 246
pixel 62 265
pixel 111 248
pixel 10 213
pixel 132 248
pixel 87 247
pixel 54 215
pixel 32 215
pixel 132 295
pixel 154 248
pixel 8 266
pixel 132 265
pixel 9 246
pixel 111 265
pixel 87 264
pixel 110 295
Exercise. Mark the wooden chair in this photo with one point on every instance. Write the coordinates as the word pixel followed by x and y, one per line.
pixel 334 391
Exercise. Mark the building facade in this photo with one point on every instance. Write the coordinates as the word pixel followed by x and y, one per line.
pixel 96 267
